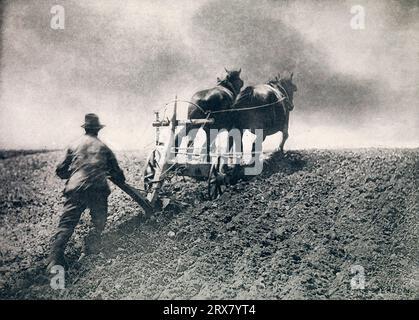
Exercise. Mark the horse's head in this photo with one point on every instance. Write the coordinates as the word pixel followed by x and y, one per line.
pixel 233 78
pixel 285 82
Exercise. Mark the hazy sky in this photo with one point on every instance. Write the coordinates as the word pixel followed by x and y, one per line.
pixel 124 59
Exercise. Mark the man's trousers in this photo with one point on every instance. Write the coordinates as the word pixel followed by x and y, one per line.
pixel 94 200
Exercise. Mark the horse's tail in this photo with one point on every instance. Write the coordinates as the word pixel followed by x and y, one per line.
pixel 244 97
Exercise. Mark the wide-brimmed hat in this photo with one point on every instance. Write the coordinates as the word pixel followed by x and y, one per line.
pixel 91 121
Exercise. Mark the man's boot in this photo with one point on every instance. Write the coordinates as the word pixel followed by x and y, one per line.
pixel 93 243
pixel 56 258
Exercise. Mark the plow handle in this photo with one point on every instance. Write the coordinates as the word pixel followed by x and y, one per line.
pixel 135 195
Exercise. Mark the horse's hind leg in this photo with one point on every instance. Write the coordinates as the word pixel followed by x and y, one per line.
pixel 209 141
pixel 239 147
pixel 191 133
pixel 285 136
pixel 177 144
pixel 253 132
pixel 235 145
pixel 179 138
pixel 254 144
pixel 257 143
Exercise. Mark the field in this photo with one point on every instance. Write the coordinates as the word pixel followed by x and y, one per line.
pixel 293 232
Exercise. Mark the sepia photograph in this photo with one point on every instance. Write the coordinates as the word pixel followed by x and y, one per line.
pixel 211 150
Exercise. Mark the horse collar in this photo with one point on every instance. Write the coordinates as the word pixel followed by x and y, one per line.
pixel 279 95
pixel 283 91
pixel 230 91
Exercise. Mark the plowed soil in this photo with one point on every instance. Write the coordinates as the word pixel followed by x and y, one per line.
pixel 294 232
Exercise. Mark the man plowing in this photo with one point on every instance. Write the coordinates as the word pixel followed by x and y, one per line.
pixel 86 166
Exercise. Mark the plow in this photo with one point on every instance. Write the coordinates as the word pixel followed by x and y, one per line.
pixel 222 170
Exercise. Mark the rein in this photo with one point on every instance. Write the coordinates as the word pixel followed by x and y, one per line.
pixel 243 109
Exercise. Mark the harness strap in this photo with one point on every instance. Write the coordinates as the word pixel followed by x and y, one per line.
pixel 279 95
pixel 287 97
pixel 284 97
pixel 229 93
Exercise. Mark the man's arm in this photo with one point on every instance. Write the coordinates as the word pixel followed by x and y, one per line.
pixel 114 170
pixel 63 169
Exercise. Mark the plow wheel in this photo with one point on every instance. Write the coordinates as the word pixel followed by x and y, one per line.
pixel 216 180
pixel 150 169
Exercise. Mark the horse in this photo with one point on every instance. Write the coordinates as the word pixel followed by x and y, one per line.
pixel 269 106
pixel 219 98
